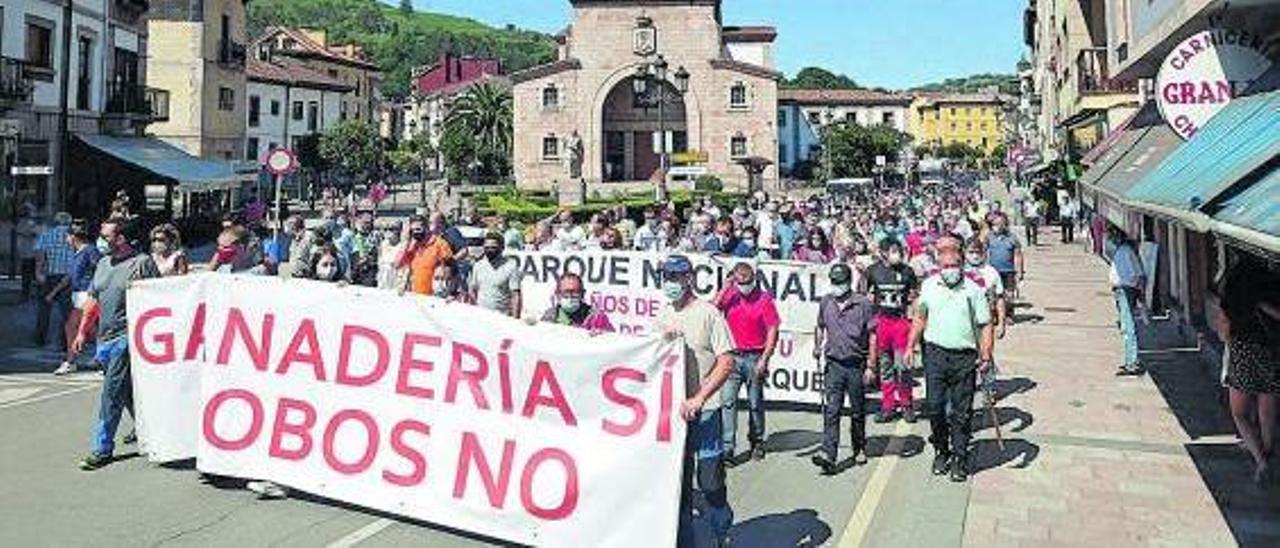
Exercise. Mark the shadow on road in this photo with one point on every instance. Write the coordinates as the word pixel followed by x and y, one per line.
pixel 798 528
pixel 1251 511
pixel 792 440
pixel 986 454
pixel 1011 419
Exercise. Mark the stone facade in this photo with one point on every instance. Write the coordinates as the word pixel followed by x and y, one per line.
pixel 597 59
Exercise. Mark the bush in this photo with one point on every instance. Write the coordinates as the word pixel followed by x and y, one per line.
pixel 708 183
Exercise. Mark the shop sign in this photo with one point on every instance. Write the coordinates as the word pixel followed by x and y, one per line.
pixel 1204 72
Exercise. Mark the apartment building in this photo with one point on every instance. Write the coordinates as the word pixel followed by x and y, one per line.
pixel 803 113
pixel 435 87
pixel 973 119
pixel 345 63
pixel 287 103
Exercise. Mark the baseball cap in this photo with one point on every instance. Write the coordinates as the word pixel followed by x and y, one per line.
pixel 677 264
pixel 841 274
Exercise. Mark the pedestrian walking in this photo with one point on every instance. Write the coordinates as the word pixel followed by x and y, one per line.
pixel 1250 325
pixel 52 266
pixel 106 307
pixel 495 279
pixel 893 286
pixel 1067 211
pixel 953 319
pixel 1004 252
pixel 708 350
pixel 1032 211
pixel 844 344
pixel 83 264
pixel 1128 280
pixel 753 320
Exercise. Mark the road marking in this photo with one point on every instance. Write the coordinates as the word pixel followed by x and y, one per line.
pixel 13 394
pixel 46 397
pixel 362 534
pixel 70 380
pixel 860 522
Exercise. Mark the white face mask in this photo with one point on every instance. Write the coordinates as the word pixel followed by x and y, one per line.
pixel 840 290
pixel 440 288
pixel 325 272
pixel 974 259
pixel 746 288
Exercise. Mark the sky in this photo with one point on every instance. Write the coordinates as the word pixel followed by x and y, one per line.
pixel 886 43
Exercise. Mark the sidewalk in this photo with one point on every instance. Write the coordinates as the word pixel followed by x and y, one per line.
pixel 1092 459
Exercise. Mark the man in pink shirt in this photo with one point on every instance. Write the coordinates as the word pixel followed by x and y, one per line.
pixel 753 322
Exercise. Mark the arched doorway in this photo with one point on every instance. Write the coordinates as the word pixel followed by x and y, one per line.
pixel 630 129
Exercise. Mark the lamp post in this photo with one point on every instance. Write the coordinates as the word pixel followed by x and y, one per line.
pixel 648 83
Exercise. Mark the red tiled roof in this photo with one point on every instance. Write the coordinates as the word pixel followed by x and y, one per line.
pixel 289 72
pixel 842 96
pixel 307 46
pixel 454 88
pixel 749 34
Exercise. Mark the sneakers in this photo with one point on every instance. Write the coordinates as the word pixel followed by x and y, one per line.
pixel 757 452
pixel 909 415
pixel 131 438
pixel 959 472
pixel 860 458
pixel 941 463
pixel 65 368
pixel 1131 370
pixel 823 463
pixel 266 489
pixel 94 461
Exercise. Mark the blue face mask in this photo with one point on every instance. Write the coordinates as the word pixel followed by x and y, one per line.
pixel 103 246
pixel 674 291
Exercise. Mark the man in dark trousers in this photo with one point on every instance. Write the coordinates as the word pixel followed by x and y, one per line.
pixel 846 324
pixel 953 317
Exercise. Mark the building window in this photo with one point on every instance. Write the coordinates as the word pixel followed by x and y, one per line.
pixel 887 119
pixel 984 142
pixel 342 110
pixel 738 146
pixel 84 80
pixel 251 149
pixel 313 115
pixel 255 110
pixel 968 126
pixel 550 98
pixel 953 126
pixel 40 44
pixel 275 107
pixel 550 148
pixel 297 111
pixel 738 95
pixel 226 99
pixel 815 118
pixel 986 126
pixel 782 155
pixel 782 118
pixel 851 118
pixel 951 111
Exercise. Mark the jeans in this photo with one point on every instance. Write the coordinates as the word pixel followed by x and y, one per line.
pixel 744 365
pixel 117 395
pixel 704 463
pixel 1126 298
pixel 949 377
pixel 1068 231
pixel 55 312
pixel 841 379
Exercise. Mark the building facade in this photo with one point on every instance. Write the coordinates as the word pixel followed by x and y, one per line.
pixel 803 113
pixel 198 53
pixel 345 63
pixel 582 118
pixel 67 69
pixel 973 119
pixel 288 102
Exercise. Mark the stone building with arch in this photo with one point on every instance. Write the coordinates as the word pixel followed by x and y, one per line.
pixel 578 118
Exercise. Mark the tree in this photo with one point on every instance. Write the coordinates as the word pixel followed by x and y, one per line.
pixel 960 152
pixel 406 7
pixel 354 147
pixel 819 78
pixel 851 149
pixel 477 133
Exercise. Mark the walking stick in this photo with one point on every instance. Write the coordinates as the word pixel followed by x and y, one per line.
pixel 989 399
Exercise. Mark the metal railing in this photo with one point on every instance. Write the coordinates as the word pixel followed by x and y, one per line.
pixel 1092 76
pixel 15 85
pixel 137 99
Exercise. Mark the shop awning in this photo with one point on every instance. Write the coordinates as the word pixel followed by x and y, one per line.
pixel 1256 208
pixel 1240 139
pixel 187 172
pixel 1107 143
pixel 1146 142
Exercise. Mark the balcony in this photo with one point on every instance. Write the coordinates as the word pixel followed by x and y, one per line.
pixel 15 85
pixel 139 101
pixel 1092 76
pixel 231 53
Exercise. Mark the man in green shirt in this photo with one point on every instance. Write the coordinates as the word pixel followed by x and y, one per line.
pixel 954 319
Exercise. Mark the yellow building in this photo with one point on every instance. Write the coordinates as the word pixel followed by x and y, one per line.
pixel 975 119
pixel 197 52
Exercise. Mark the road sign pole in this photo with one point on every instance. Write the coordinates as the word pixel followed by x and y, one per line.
pixel 276 232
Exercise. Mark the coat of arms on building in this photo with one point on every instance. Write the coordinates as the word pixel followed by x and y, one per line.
pixel 645 37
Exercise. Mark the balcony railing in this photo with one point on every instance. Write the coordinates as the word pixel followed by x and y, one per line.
pixel 138 100
pixel 231 53
pixel 1093 77
pixel 15 85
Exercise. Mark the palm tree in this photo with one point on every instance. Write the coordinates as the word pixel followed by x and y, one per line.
pixel 483 117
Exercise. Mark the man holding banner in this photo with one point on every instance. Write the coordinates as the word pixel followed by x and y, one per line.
pixel 753 320
pixel 708 349
pixel 844 336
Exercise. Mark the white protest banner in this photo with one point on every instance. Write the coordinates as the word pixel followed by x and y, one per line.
pixel 627 286
pixel 166 391
pixel 441 412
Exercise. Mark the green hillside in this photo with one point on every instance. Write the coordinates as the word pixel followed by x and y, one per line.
pixel 1007 83
pixel 400 41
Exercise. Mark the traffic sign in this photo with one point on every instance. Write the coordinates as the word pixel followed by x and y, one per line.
pixel 31 170
pixel 280 161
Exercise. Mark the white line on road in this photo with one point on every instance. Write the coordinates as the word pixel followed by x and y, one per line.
pixel 360 535
pixel 856 531
pixel 46 397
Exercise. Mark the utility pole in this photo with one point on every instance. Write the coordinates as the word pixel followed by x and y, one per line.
pixel 64 121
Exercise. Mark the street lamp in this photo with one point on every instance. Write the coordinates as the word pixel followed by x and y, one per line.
pixel 648 83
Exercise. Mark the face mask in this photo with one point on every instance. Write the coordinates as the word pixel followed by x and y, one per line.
pixel 1000 229
pixel 749 242
pixel 440 288
pixel 225 255
pixel 418 234
pixel 747 287
pixel 952 276
pixel 325 272
pixel 104 247
pixel 674 291
pixel 570 304
pixel 974 259
pixel 492 253
pixel 160 248
pixel 895 257
pixel 840 290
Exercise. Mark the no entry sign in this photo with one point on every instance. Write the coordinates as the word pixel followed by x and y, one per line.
pixel 280 161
